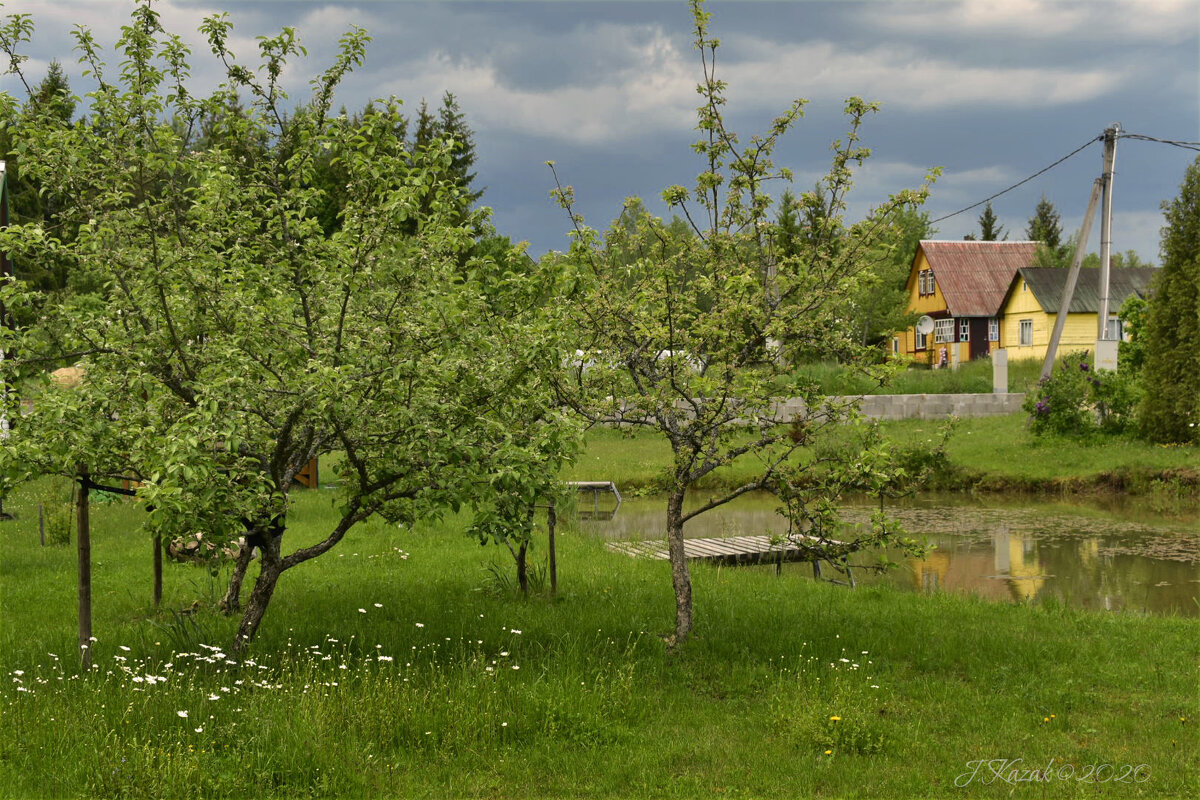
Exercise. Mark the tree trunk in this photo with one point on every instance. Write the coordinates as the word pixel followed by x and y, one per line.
pixel 158 548
pixel 681 579
pixel 231 603
pixel 271 567
pixel 523 569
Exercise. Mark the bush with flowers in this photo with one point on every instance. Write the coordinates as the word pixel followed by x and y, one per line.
pixel 1076 399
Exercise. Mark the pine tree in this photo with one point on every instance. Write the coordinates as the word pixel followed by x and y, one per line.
pixel 789 231
pixel 452 122
pixel 1045 226
pixel 989 228
pixel 1170 410
pixel 28 202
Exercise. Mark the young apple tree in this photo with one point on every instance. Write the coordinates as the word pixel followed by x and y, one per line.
pixel 689 333
pixel 233 339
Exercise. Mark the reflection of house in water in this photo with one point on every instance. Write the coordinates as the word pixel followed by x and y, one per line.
pixel 1017 558
pixel 1011 571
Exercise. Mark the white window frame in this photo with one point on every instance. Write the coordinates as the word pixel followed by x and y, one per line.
pixel 920 341
pixel 943 330
pixel 1115 330
pixel 993 330
pixel 1025 333
pixel 964 330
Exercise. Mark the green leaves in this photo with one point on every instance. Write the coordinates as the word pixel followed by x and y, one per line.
pixel 231 337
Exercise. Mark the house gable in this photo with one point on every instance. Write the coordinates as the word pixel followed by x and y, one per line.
pixel 974 277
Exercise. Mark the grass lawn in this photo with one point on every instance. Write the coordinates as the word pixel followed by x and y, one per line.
pixel 399 666
pixel 985 453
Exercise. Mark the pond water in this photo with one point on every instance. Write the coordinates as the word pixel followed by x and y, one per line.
pixel 1113 556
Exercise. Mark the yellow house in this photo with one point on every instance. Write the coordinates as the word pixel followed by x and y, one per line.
pixel 961 285
pixel 1032 303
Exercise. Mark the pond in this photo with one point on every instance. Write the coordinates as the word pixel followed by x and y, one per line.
pixel 1114 556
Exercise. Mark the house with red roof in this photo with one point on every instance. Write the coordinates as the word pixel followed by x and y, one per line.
pixel 962 285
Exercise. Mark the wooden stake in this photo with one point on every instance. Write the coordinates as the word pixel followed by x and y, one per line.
pixel 551 520
pixel 157 569
pixel 83 539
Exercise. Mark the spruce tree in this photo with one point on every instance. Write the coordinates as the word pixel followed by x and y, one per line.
pixel 990 229
pixel 28 200
pixel 1045 226
pixel 1170 410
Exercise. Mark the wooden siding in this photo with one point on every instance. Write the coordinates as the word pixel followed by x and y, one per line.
pixel 931 304
pixel 1078 334
pixel 936 306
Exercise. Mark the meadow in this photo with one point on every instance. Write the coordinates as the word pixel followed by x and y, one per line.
pixel 403 665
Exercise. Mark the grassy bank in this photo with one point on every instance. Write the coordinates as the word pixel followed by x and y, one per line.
pixel 397 666
pixel 985 454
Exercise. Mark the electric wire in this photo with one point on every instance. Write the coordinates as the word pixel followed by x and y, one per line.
pixel 1042 171
pixel 1142 137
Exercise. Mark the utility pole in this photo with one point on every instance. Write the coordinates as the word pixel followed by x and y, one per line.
pixel 1110 157
pixel 1064 303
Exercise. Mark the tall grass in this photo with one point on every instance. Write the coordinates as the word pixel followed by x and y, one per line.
pixel 971 377
pixel 392 668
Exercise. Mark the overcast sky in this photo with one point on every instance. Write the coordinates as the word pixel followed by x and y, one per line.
pixel 990 90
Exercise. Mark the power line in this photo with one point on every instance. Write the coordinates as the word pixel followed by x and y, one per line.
pixel 1185 145
pixel 1079 149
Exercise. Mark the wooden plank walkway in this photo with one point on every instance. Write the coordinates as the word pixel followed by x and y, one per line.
pixel 729 550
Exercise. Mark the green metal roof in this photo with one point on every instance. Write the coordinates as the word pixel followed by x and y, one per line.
pixel 1047 284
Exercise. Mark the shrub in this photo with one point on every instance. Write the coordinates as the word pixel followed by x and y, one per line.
pixel 1077 399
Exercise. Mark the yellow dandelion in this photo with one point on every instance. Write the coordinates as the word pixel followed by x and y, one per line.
pixel 835 719
pixel 1045 719
pixel 828 752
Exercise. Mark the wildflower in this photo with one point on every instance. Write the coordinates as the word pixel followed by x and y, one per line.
pixel 200 730
pixel 514 630
pixel 182 714
pixel 214 697
pixel 379 605
pixel 123 647
pixel 835 719
pixel 420 624
pixel 1045 719
pixel 362 611
pixel 828 752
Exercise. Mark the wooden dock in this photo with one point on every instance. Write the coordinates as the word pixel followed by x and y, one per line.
pixel 731 550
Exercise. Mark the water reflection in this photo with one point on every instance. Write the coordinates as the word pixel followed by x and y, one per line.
pixel 1025 551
